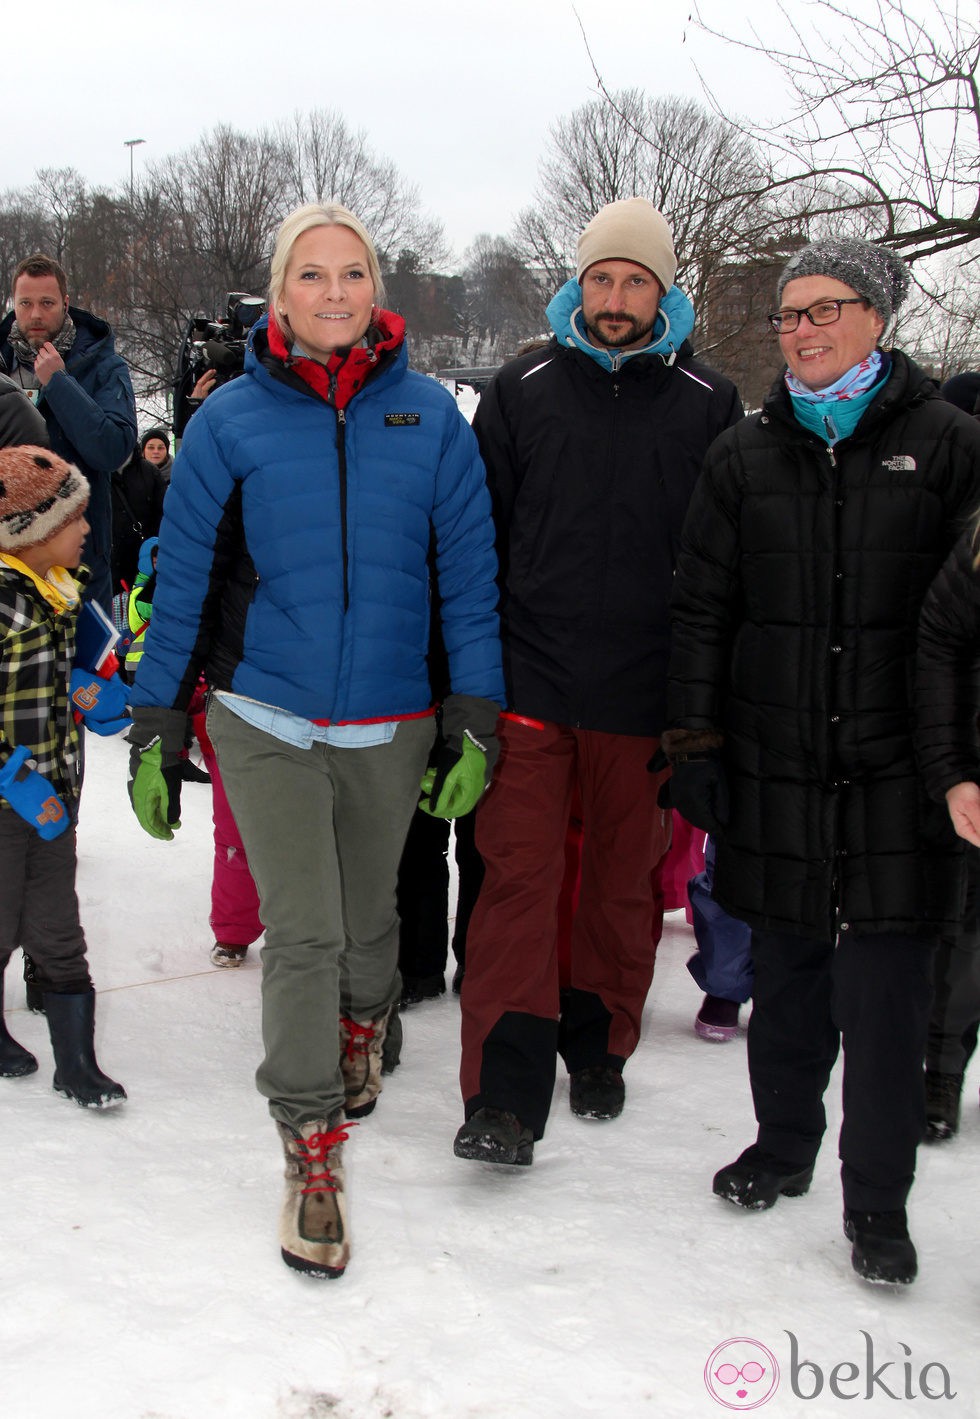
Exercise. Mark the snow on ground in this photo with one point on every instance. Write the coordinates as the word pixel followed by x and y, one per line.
pixel 141 1270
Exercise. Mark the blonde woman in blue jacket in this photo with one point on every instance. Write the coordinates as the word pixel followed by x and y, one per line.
pixel 294 573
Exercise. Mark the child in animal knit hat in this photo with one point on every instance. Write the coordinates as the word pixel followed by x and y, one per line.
pixel 42 528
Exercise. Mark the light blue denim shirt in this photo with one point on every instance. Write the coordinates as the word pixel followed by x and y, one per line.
pixel 294 729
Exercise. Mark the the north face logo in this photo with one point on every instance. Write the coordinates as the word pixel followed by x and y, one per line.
pixel 901 463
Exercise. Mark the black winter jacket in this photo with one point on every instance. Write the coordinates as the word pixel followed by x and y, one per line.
pixel 138 491
pixel 797 599
pixel 591 473
pixel 947 688
pixel 19 420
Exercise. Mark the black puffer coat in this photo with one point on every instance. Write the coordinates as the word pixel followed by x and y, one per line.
pixel 799 585
pixel 947 688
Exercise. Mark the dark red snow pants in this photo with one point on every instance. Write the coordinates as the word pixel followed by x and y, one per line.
pixel 514 1023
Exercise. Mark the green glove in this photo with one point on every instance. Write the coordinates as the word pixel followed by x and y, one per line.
pixel 157 737
pixel 454 784
pixel 463 764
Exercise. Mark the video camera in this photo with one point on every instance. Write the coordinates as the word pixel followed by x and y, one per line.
pixel 217 345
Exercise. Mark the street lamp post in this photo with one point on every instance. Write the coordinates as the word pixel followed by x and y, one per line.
pixel 132 143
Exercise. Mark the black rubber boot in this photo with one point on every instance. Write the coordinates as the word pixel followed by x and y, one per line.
pixel 15 1060
pixel 71 1022
pixel 34 986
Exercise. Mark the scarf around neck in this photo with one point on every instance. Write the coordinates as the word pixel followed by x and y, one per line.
pixel 59 588
pixel 25 351
pixel 835 412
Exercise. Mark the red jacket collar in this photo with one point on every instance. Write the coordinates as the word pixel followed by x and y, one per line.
pixel 346 371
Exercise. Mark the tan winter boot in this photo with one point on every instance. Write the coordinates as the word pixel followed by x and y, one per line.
pixel 313 1223
pixel 361 1044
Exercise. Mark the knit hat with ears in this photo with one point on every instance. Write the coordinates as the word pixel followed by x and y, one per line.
pixel 39 495
pixel 631 230
pixel 876 274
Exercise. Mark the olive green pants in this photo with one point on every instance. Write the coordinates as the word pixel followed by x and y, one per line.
pixel 323 829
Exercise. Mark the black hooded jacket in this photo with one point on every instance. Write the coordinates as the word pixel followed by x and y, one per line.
pixel 591 473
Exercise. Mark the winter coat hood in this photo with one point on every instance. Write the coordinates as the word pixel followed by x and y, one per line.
pixel 674 323
pixel 147 548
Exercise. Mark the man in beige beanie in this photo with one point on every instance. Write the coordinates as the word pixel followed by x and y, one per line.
pixel 593 446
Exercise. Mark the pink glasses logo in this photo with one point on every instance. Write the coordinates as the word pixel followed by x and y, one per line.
pixel 741 1373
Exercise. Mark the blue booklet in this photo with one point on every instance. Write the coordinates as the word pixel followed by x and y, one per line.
pixel 95 637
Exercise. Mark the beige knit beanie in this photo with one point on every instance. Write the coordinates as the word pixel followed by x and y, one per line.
pixel 39 495
pixel 631 230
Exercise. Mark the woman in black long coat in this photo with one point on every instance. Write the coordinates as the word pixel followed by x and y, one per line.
pixel 813 536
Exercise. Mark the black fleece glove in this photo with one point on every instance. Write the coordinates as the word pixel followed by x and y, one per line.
pixel 698 789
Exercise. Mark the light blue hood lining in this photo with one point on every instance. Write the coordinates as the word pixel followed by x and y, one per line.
pixel 674 323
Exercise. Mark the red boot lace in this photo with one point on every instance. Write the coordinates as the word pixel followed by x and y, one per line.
pixel 359 1037
pixel 313 1151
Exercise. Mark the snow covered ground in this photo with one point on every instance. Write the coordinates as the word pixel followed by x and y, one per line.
pixel 142 1278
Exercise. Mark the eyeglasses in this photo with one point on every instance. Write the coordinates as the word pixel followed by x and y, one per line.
pixel 823 313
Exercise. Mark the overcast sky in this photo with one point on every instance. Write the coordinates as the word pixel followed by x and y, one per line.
pixel 460 95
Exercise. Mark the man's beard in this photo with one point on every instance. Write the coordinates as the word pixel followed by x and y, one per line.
pixel 634 334
pixel 37 338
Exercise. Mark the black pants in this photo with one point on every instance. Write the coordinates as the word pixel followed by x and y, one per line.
pixel 872 995
pixel 38 905
pixel 423 894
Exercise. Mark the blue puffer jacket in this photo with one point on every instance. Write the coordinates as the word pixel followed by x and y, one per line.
pixel 294 548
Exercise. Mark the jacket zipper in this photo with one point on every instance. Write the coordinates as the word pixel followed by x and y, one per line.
pixel 341 446
pixel 836 904
pixel 587 686
pixel 342 472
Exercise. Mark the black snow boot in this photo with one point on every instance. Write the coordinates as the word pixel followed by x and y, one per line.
pixel 495 1136
pixel 757 1180
pixel 415 989
pixel 71 1022
pixel 882 1251
pixel 596 1092
pixel 34 986
pixel 391 1050
pixel 942 1105
pixel 15 1060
